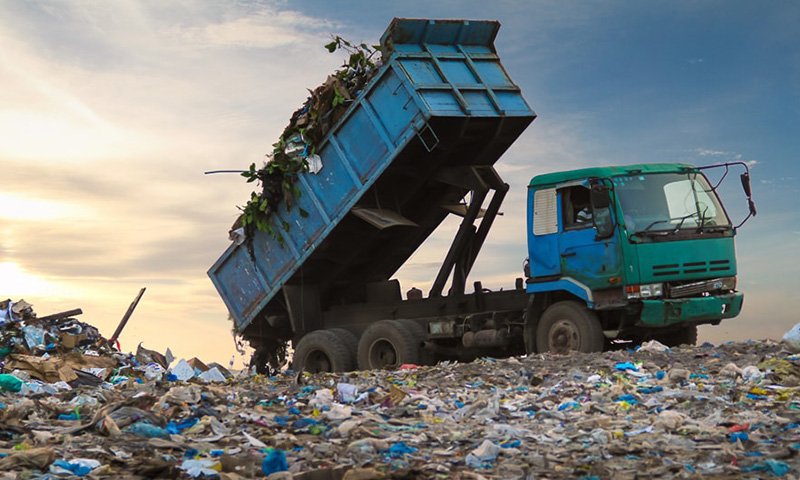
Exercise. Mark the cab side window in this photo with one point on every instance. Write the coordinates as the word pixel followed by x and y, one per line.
pixel 576 208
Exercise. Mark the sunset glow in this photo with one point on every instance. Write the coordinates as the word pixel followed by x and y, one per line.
pixel 44 136
pixel 15 283
pixel 22 208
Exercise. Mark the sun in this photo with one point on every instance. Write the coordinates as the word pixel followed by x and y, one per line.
pixel 16 282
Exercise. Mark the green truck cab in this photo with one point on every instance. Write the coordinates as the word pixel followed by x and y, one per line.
pixel 631 252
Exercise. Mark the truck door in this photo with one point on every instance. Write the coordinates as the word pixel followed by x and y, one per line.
pixel 543 225
pixel 585 259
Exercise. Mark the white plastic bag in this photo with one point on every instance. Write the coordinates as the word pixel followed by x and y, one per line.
pixel 792 339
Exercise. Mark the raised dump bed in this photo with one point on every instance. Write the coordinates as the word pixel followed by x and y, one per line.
pixel 393 167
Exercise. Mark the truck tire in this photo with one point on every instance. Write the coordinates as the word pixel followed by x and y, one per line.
pixel 323 351
pixel 349 339
pixel 569 326
pixel 683 336
pixel 387 345
pixel 421 336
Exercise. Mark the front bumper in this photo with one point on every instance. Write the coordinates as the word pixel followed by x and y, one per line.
pixel 661 313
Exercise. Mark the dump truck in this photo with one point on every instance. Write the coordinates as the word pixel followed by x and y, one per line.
pixel 621 252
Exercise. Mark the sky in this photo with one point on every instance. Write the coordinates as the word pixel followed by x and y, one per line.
pixel 110 112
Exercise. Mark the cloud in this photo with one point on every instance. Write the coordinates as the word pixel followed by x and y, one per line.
pixel 268 29
pixel 707 152
pixel 726 156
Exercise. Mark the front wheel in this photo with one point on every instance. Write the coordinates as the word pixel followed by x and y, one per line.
pixel 569 326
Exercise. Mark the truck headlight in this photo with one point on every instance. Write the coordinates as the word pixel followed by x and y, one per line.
pixel 649 290
pixel 729 283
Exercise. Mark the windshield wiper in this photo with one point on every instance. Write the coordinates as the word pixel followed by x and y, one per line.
pixel 702 228
pixel 713 228
pixel 653 233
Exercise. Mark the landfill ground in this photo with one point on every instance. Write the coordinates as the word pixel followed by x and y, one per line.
pixel 727 411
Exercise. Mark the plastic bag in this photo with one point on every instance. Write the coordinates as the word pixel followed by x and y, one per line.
pixel 34 336
pixel 9 383
pixel 792 339
pixel 78 466
pixel 183 371
pixel 147 430
pixel 275 461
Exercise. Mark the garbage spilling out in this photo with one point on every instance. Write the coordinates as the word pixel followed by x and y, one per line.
pixel 296 149
pixel 727 411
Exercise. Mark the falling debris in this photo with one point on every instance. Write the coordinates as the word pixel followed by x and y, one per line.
pixel 296 149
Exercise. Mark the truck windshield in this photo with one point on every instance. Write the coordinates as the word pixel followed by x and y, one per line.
pixel 660 204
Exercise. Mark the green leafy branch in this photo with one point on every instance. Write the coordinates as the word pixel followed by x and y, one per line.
pixel 277 179
pixel 358 68
pixel 307 128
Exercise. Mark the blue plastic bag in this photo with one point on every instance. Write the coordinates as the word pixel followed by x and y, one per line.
pixel 275 461
pixel 147 430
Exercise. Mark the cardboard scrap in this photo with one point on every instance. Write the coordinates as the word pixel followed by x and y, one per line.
pixel 38 458
pixel 57 369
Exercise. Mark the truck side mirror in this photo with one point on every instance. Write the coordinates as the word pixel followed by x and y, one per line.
pixel 745 177
pixel 600 197
pixel 603 223
pixel 752 205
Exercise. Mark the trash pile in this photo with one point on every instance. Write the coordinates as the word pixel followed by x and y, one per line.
pixel 51 353
pixel 727 411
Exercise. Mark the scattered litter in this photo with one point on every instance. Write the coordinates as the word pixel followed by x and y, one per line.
pixel 182 370
pixel 730 370
pixel 275 461
pixel 483 456
pixel 751 374
pixel 212 375
pixel 792 339
pixel 79 467
pixel 653 346
pixel 201 468
pixel 625 366
pixel 650 412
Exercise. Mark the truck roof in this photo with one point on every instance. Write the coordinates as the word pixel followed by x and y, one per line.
pixel 555 178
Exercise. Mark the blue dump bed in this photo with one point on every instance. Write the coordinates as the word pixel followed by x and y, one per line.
pixel 442 101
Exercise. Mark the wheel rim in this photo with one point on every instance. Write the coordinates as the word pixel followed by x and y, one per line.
pixel 564 337
pixel 316 361
pixel 382 354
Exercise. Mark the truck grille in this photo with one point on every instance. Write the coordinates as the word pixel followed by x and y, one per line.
pixel 695 288
pixel 670 269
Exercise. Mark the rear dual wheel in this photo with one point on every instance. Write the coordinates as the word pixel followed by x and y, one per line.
pixel 387 344
pixel 325 351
